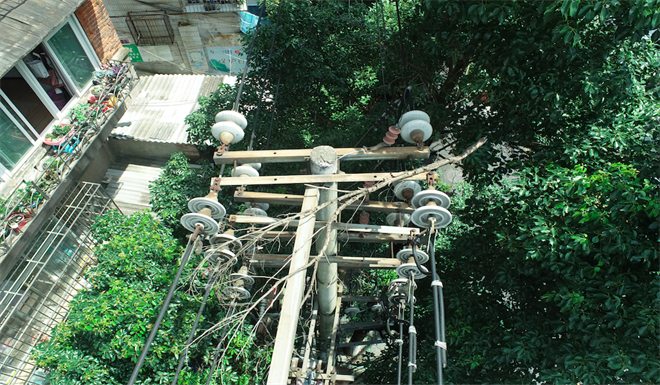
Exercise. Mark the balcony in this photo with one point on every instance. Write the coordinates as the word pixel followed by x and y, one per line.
pixel 42 187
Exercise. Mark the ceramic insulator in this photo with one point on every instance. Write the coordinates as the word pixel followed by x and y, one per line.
pixel 364 218
pixel 391 135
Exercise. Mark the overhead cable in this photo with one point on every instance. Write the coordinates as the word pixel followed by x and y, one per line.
pixel 265 79
pixel 249 56
pixel 163 309
pixel 184 354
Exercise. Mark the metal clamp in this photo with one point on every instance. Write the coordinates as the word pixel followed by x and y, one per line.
pixel 442 345
pixel 436 283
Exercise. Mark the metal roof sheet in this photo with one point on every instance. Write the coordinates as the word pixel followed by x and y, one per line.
pixel 25 24
pixel 158 112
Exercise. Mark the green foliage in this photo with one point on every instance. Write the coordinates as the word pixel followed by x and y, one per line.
pixel 177 184
pixel 551 262
pixel 59 130
pixel 103 336
pixel 202 119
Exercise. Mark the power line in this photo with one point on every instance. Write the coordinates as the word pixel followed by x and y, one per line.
pixel 163 309
pixel 265 79
pixel 184 354
pixel 249 56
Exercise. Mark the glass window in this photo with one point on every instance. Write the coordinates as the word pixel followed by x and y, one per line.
pixel 25 100
pixel 72 56
pixel 13 143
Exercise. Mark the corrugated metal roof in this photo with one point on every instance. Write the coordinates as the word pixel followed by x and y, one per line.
pixel 128 185
pixel 158 112
pixel 26 23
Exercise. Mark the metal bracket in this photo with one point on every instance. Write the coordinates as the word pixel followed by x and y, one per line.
pixel 232 221
pixel 215 184
pixel 442 345
pixel 221 149
pixel 431 178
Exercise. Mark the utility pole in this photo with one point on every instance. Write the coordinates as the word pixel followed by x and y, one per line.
pixel 324 161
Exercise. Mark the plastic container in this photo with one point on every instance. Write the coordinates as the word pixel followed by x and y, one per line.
pixel 38 68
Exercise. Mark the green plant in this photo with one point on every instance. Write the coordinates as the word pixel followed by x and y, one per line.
pixel 59 131
pixel 79 112
pixel 177 184
pixel 109 323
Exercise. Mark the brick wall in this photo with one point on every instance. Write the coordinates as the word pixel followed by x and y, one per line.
pixel 96 23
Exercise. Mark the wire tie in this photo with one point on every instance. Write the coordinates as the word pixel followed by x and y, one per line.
pixel 436 283
pixel 442 345
pixel 398 341
pixel 413 365
pixel 412 330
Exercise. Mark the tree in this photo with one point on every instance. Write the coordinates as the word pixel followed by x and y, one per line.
pixel 550 267
pixel 108 324
pixel 177 184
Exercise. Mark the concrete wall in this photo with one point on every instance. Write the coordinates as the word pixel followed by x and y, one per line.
pixel 193 33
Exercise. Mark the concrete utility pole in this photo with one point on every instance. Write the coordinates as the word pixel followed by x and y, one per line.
pixel 295 285
pixel 324 161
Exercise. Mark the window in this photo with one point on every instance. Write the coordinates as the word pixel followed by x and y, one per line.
pixel 36 91
pixel 14 143
pixel 72 56
pixel 150 28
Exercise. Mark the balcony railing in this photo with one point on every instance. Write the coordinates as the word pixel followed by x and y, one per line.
pixel 112 85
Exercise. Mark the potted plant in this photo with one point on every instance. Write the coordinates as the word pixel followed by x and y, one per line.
pixel 78 112
pixel 59 135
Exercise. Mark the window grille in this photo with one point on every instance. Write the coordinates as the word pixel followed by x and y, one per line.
pixel 150 28
pixel 195 6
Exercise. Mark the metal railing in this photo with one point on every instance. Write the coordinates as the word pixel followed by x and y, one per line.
pixel 115 83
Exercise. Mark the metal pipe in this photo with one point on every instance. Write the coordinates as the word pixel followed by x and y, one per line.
pixel 436 309
pixel 400 342
pixel 222 337
pixel 163 309
pixel 412 333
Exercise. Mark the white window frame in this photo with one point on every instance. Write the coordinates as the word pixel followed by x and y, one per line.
pixel 33 132
pixel 43 96
pixel 89 51
pixel 4 172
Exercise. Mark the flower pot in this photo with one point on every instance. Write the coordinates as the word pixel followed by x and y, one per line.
pixel 60 139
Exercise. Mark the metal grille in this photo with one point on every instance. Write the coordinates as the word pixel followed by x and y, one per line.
pixel 150 28
pixel 36 294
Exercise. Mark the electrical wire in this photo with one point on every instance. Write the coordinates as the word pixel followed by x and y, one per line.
pixel 239 92
pixel 222 337
pixel 401 46
pixel 184 354
pixel 263 88
pixel 380 48
pixel 412 333
pixel 163 310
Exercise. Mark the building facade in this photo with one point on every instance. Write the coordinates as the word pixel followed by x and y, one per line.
pixel 183 36
pixel 61 68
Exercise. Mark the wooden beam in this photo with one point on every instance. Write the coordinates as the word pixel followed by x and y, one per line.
pixel 311 179
pixel 336 377
pixel 343 236
pixel 332 354
pixel 361 298
pixel 310 337
pixel 361 343
pixel 278 260
pixel 339 226
pixel 361 325
pixel 295 286
pixel 296 200
pixel 288 156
